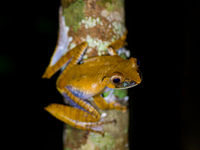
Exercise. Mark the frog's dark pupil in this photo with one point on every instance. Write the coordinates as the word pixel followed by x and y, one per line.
pixel 116 80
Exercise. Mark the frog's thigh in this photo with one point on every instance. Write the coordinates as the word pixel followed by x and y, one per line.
pixel 76 118
pixel 69 114
pixel 103 104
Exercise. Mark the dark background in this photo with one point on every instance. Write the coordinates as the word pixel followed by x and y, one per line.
pixel 164 112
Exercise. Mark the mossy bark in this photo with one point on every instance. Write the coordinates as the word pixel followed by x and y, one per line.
pixel 99 22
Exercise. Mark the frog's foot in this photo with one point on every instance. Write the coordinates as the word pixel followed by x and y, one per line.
pixel 119 43
pixel 97 127
pixel 103 104
pixel 77 118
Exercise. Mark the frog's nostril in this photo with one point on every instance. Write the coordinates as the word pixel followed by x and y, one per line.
pixel 133 83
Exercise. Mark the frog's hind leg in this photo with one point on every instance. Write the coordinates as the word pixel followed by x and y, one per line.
pixel 85 116
pixel 71 57
pixel 67 100
pixel 76 117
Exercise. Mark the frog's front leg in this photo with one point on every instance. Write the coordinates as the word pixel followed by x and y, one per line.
pixel 103 104
pixel 117 44
pixel 76 53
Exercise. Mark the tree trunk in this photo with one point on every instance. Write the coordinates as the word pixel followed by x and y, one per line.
pixel 99 22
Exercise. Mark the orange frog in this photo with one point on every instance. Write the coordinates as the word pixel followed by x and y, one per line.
pixel 87 79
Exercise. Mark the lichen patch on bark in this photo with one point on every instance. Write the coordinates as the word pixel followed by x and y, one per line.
pixel 96 20
pixel 74 14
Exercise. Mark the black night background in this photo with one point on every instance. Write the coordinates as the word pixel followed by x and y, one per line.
pixel 164 108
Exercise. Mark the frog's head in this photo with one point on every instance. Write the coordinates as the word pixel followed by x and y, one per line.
pixel 125 75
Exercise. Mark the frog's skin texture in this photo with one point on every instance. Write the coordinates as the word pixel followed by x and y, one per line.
pixel 88 79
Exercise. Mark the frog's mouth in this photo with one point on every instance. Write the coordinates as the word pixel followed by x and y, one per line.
pixel 126 84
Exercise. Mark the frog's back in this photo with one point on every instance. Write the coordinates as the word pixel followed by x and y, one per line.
pixel 87 77
pixel 99 65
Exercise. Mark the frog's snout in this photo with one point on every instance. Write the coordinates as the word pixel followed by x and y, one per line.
pixel 133 83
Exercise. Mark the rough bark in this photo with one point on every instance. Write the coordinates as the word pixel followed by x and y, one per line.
pixel 99 22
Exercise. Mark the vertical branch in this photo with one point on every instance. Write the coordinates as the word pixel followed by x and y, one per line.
pixel 99 22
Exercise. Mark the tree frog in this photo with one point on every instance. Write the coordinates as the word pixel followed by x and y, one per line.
pixel 85 79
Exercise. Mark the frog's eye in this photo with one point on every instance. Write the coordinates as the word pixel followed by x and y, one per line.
pixel 117 77
pixel 116 80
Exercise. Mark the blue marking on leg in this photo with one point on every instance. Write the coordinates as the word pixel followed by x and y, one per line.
pixel 65 65
pixel 71 102
pixel 81 57
pixel 78 93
